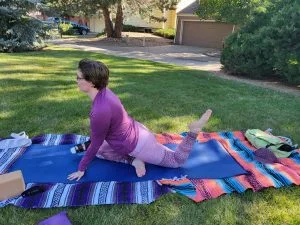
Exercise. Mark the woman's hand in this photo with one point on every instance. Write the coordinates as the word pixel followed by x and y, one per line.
pixel 75 175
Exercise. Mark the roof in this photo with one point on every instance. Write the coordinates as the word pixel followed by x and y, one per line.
pixel 190 9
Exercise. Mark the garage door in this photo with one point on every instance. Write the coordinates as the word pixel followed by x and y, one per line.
pixel 205 34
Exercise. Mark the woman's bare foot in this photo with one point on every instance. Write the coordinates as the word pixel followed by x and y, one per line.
pixel 196 126
pixel 139 166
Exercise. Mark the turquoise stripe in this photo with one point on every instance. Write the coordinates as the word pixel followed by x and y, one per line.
pixel 295 157
pixel 244 152
pixel 284 180
pixel 226 188
pixel 261 167
pixel 185 189
pixel 226 135
pixel 236 184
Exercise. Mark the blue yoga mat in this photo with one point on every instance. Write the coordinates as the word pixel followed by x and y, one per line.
pixel 52 164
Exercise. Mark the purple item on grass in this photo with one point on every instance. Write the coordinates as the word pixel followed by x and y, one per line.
pixel 58 219
pixel 264 155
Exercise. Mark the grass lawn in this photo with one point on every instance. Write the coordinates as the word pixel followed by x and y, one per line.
pixel 39 95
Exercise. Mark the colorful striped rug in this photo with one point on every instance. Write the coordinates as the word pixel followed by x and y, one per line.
pixel 261 176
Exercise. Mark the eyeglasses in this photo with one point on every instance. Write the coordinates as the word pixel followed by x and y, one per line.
pixel 79 78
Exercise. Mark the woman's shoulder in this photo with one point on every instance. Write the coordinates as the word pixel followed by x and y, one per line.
pixel 100 109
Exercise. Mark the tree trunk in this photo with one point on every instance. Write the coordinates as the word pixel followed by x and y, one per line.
pixel 108 24
pixel 119 22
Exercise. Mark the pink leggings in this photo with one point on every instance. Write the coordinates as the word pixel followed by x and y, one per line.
pixel 149 150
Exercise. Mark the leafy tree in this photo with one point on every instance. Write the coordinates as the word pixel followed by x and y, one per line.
pixel 18 32
pixel 89 7
pixel 232 11
pixel 162 5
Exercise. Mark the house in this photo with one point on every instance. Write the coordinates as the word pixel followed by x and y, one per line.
pixel 138 21
pixel 190 30
pixel 96 22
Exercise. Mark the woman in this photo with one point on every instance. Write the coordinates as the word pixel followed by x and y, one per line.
pixel 116 136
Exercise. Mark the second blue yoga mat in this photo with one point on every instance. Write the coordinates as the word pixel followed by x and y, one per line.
pixel 52 164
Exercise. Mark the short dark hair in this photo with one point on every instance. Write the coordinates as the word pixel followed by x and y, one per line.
pixel 94 71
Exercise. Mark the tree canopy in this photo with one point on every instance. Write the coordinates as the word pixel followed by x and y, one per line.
pixel 19 32
pixel 90 7
pixel 268 44
pixel 232 11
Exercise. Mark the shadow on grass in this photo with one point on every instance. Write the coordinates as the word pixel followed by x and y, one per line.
pixel 164 96
pixel 266 207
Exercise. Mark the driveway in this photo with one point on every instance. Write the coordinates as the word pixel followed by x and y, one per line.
pixel 192 57
pixel 189 56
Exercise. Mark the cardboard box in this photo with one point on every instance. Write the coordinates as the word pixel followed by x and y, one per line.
pixel 11 185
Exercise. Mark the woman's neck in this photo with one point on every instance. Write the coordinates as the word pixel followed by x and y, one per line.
pixel 92 93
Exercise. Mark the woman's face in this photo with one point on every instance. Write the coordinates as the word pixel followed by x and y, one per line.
pixel 83 85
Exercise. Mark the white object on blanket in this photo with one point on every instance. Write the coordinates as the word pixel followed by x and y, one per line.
pixel 73 150
pixel 19 135
pixel 19 140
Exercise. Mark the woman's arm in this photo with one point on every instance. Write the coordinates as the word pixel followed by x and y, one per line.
pixel 99 122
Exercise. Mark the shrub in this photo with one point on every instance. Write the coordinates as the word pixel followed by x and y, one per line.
pixel 66 28
pixel 167 33
pixel 268 45
pixel 52 33
pixel 130 28
pixel 101 34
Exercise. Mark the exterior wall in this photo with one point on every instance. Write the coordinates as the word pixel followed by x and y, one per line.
pixel 97 24
pixel 209 34
pixel 136 20
pixel 171 19
pixel 178 27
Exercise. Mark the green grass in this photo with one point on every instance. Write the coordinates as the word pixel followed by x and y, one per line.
pixel 39 95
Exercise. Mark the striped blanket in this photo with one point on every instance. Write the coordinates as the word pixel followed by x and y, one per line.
pixel 260 176
pixel 97 193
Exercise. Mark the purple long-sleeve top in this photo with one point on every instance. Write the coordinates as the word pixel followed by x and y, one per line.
pixel 109 121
